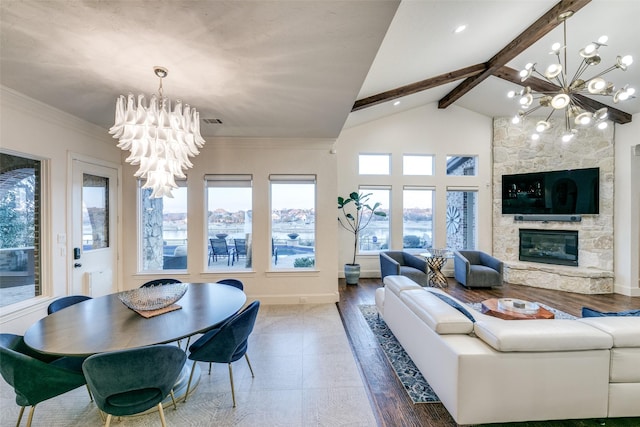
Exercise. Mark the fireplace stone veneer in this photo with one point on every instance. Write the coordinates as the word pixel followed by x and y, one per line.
pixel 559 278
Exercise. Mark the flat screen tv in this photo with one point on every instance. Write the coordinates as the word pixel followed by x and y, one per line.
pixel 574 191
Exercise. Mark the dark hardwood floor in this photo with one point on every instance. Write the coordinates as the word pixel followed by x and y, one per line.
pixel 393 407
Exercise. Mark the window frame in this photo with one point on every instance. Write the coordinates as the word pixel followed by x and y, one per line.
pixel 294 179
pixel 361 157
pixel 181 183
pixel 42 242
pixel 406 156
pixel 365 189
pixel 432 189
pixel 232 181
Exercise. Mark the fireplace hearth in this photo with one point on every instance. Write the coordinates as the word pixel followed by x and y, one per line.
pixel 549 246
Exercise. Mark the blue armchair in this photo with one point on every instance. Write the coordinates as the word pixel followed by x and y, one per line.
pixel 476 269
pixel 404 264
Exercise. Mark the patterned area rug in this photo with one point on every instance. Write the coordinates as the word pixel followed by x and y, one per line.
pixel 414 383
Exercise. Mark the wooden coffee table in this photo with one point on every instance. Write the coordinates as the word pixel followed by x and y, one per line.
pixel 491 307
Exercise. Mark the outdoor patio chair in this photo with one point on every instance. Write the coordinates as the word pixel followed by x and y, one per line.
pixel 241 248
pixel 219 248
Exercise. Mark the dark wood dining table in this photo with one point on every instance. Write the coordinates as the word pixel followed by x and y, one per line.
pixel 105 324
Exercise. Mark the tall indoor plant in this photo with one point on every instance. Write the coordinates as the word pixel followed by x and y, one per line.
pixel 353 210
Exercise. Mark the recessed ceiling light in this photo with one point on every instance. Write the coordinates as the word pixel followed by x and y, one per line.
pixel 396 103
pixel 460 28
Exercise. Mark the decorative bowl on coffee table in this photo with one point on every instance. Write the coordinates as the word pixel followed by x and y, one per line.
pixel 518 305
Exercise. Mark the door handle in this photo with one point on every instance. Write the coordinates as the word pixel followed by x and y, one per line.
pixel 77 265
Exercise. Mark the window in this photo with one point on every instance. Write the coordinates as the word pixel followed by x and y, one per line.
pixel 376 237
pixel 164 229
pixel 462 165
pixel 229 224
pixel 414 164
pixel 293 221
pixel 95 212
pixel 20 230
pixel 417 217
pixel 374 164
pixel 462 218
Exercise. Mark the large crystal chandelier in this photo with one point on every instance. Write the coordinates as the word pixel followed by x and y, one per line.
pixel 565 95
pixel 160 140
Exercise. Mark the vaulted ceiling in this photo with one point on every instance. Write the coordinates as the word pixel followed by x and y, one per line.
pixel 294 68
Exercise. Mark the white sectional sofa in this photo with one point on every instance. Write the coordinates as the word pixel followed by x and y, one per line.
pixel 495 370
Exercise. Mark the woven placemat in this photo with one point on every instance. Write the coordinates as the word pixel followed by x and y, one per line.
pixel 152 313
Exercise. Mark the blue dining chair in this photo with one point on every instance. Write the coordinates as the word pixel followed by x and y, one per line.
pixel 36 377
pixel 232 282
pixel 65 302
pixel 129 382
pixel 157 282
pixel 225 344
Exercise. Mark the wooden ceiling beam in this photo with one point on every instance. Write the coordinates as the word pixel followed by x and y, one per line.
pixel 528 37
pixel 417 87
pixel 539 85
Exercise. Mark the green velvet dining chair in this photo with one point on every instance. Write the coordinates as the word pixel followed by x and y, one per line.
pixel 36 377
pixel 225 344
pixel 128 382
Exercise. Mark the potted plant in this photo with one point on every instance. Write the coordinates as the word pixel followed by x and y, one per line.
pixel 352 219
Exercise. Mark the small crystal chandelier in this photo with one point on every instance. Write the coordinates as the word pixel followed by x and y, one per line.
pixel 160 140
pixel 566 96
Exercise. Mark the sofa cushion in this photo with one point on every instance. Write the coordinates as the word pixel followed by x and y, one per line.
pixel 435 313
pixel 541 335
pixel 590 312
pixel 397 284
pixel 624 330
pixel 624 365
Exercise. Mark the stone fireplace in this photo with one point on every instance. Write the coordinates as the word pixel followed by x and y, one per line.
pixel 559 247
pixel 591 272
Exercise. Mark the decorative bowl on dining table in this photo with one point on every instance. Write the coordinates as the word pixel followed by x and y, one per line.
pixel 153 297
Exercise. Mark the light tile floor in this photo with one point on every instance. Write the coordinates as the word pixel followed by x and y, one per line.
pixel 305 376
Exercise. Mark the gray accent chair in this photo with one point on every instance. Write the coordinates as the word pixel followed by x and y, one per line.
pixel 400 263
pixel 477 269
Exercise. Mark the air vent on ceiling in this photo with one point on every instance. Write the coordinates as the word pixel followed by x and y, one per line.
pixel 212 121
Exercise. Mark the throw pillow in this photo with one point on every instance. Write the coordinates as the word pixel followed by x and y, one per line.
pixel 590 312
pixel 455 305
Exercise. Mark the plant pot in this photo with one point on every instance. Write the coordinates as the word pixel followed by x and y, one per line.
pixel 352 273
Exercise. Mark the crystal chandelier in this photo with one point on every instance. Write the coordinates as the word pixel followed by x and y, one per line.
pixel 160 140
pixel 566 95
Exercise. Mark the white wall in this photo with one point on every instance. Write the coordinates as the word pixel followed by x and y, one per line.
pixel 627 208
pixel 258 157
pixel 423 130
pixel 36 130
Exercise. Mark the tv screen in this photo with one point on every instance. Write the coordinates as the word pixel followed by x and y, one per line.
pixel 574 191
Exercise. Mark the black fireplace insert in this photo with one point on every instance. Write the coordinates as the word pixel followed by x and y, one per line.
pixel 549 246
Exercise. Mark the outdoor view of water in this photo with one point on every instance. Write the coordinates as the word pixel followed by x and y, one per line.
pixel 375 237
